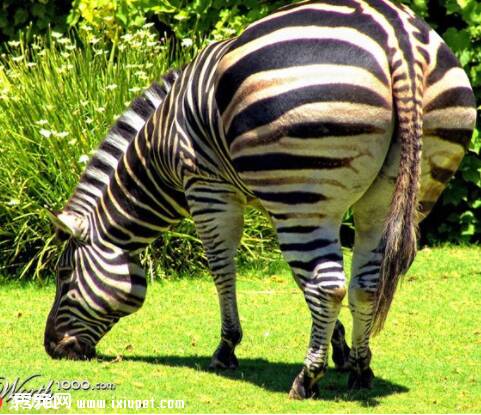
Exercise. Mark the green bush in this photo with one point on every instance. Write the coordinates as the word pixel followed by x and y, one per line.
pixel 189 21
pixel 39 15
pixel 56 102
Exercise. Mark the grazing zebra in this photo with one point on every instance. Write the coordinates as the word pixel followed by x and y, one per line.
pixel 315 109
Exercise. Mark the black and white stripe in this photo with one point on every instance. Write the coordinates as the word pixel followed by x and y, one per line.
pixel 320 107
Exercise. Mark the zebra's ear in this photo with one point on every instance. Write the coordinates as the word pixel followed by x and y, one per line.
pixel 68 225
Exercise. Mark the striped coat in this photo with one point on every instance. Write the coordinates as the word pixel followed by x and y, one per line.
pixel 320 107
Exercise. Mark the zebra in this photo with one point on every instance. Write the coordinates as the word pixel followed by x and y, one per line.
pixel 320 107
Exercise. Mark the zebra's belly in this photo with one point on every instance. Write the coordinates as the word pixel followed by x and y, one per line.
pixel 322 157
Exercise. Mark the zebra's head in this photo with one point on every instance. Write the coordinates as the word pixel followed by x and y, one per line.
pixel 97 283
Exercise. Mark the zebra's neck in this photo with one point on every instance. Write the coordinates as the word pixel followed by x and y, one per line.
pixel 119 195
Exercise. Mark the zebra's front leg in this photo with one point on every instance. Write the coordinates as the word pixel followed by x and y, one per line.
pixel 217 210
pixel 315 256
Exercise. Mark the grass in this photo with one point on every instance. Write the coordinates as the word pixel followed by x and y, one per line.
pixel 427 359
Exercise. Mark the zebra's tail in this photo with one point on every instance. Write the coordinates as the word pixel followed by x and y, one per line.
pixel 398 243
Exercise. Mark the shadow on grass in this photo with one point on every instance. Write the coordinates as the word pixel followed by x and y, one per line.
pixel 277 377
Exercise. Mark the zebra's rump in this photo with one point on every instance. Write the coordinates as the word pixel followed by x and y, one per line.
pixel 303 98
pixel 306 89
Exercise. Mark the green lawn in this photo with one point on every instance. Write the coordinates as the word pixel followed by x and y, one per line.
pixel 428 359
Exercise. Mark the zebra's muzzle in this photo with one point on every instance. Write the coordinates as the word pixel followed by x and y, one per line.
pixel 69 347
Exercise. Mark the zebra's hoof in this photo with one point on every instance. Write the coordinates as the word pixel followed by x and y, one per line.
pixel 304 387
pixel 224 358
pixel 360 380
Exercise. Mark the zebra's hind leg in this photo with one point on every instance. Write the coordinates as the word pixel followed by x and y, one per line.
pixel 369 217
pixel 340 349
pixel 217 210
pixel 362 289
pixel 315 256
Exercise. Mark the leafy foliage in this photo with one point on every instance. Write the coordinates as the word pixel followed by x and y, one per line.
pixel 187 20
pixel 39 14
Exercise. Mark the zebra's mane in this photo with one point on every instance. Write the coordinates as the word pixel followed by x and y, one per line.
pixel 103 163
